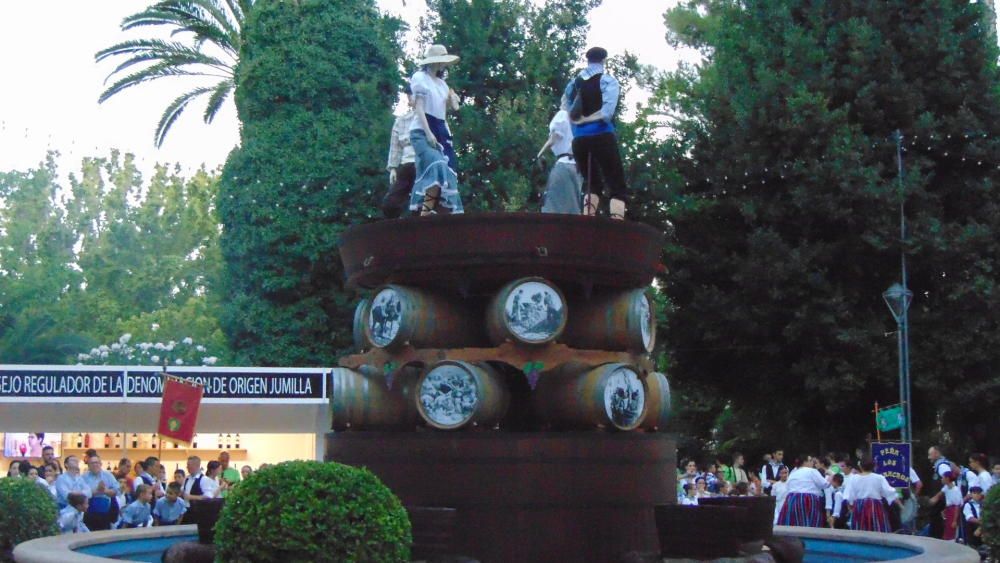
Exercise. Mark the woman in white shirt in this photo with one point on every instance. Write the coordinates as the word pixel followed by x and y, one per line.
pixel 864 494
pixel 803 504
pixel 435 189
pixel 979 462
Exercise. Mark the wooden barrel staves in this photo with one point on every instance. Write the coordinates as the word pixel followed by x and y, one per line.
pixel 609 396
pixel 361 342
pixel 526 311
pixel 453 395
pixel 360 401
pixel 698 532
pixel 401 315
pixel 658 406
pixel 620 320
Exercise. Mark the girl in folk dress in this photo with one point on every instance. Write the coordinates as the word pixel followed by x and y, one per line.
pixel 780 490
pixel 435 189
pixel 864 493
pixel 953 505
pixel 804 503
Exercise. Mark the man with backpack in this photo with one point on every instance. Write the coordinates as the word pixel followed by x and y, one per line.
pixel 591 99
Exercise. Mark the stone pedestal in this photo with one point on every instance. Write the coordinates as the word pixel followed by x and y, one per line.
pixel 527 496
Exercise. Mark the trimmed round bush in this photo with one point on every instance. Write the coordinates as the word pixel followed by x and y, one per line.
pixel 990 522
pixel 27 511
pixel 312 511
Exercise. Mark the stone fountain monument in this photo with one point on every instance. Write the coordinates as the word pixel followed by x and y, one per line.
pixel 502 384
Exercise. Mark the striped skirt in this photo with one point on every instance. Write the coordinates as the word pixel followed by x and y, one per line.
pixel 870 516
pixel 802 509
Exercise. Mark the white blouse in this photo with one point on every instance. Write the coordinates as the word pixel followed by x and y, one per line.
pixel 871 485
pixel 806 480
pixel 433 91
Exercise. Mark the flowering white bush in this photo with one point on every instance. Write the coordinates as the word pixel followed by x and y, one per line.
pixel 123 352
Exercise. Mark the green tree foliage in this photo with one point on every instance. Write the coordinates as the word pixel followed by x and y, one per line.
pixel 788 213
pixel 516 58
pixel 315 88
pixel 27 511
pixel 313 511
pixel 212 32
pixel 103 254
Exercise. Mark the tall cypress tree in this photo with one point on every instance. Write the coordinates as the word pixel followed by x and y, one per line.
pixel 788 215
pixel 315 87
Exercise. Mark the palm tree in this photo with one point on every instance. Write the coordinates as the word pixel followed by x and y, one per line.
pixel 212 53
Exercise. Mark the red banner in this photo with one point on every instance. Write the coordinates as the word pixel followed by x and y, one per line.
pixel 179 409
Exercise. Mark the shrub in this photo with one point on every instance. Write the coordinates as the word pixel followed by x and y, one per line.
pixel 312 511
pixel 27 511
pixel 990 522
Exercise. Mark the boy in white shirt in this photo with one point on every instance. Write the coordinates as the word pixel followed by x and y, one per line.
pixel 71 517
pixel 971 513
pixel 835 516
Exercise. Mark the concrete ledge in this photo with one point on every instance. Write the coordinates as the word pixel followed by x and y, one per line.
pixel 930 549
pixel 60 549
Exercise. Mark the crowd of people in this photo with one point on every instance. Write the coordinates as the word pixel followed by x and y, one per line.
pixel 837 492
pixel 133 495
pixel 423 166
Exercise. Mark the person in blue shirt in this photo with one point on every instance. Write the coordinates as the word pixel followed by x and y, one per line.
pixel 591 99
pixel 169 509
pixel 136 515
pixel 71 517
pixel 71 482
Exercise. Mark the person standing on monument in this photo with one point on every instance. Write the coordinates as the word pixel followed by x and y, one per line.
pixel 435 189
pixel 562 190
pixel 592 98
pixel 401 166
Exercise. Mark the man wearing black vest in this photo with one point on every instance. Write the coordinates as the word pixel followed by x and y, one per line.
pixel 591 99
pixel 197 486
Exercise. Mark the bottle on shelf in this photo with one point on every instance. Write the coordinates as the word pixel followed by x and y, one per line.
pixel 79 439
pixel 135 441
pixel 220 440
pixel 229 441
pixel 154 443
pixel 175 445
pixel 86 440
pixel 237 444
pixel 194 442
pixel 107 441
pixel 118 440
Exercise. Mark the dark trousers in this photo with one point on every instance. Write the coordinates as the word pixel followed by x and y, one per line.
pixel 398 197
pixel 599 162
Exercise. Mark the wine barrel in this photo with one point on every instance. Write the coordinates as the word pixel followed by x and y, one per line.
pixel 526 311
pixel 360 401
pixel 361 342
pixel 622 320
pixel 453 395
pixel 658 405
pixel 759 522
pixel 399 315
pixel 607 396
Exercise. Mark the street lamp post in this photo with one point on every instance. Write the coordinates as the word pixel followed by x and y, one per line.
pixel 898 297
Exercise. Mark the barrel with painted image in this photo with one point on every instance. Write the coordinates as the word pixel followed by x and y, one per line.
pixel 452 395
pixel 526 311
pixel 362 401
pixel 610 396
pixel 361 342
pixel 421 318
pixel 616 320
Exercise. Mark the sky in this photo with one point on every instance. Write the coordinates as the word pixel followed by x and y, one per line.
pixel 48 100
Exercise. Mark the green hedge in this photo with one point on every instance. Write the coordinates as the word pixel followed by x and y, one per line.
pixel 990 522
pixel 312 511
pixel 27 511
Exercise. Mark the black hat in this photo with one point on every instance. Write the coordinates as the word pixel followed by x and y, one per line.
pixel 597 55
pixel 975 489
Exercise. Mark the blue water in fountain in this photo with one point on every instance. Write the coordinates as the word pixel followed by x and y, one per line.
pixel 817 551
pixel 150 550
